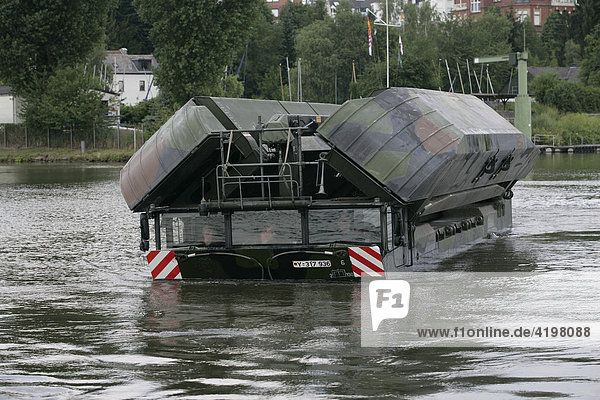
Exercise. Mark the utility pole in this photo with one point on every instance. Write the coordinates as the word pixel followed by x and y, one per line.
pixel 287 63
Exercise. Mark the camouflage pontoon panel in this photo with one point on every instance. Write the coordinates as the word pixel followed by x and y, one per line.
pixel 313 108
pixel 165 150
pixel 421 144
pixel 169 167
pixel 244 113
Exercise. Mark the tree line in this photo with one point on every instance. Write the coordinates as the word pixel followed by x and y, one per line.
pixel 237 48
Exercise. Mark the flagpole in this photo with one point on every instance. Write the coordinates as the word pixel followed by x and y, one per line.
pixel 387 39
pixel 387 34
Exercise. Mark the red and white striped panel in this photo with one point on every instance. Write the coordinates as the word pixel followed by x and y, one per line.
pixel 366 261
pixel 163 264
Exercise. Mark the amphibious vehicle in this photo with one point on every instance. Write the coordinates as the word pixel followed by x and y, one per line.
pixel 240 188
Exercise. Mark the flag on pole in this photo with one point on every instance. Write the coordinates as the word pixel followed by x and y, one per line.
pixel 400 50
pixel 370 38
pixel 400 41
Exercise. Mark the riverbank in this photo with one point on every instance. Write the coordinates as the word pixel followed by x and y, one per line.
pixel 30 155
pixel 552 127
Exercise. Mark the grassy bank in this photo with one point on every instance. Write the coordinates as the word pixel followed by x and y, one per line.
pixel 21 155
pixel 566 128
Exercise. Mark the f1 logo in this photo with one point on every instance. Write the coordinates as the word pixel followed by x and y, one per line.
pixel 389 300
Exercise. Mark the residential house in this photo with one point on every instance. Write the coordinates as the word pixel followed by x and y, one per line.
pixel 133 77
pixel 277 5
pixel 10 107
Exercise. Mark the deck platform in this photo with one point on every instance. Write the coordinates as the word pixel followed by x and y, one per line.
pixel 578 148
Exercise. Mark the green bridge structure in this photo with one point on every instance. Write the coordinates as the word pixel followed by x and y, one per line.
pixel 522 99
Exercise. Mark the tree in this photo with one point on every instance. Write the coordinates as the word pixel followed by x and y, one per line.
pixel 590 64
pixel 564 95
pixel 585 17
pixel 269 87
pixel 351 48
pixel 554 36
pixel 196 40
pixel 487 35
pixel 262 56
pixel 295 16
pixel 541 84
pixel 316 48
pixel 524 37
pixel 152 113
pixel 328 49
pixel 572 53
pixel 126 29
pixel 66 98
pixel 37 37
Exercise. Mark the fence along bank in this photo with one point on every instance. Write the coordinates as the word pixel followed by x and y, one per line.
pixel 240 188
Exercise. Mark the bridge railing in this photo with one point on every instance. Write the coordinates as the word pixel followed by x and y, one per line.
pixel 541 139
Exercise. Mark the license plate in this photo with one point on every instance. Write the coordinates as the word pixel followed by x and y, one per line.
pixel 312 264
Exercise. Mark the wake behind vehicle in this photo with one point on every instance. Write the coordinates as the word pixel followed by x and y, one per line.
pixel 258 189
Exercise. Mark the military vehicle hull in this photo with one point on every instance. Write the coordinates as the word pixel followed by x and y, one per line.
pixel 433 241
pixel 249 189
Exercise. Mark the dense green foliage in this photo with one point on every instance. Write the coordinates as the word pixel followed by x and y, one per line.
pixel 259 70
pixel 151 114
pixel 565 129
pixel 26 155
pixel 237 48
pixel 125 29
pixel 328 50
pixel 195 40
pixel 485 36
pixel 66 99
pixel 584 19
pixel 37 37
pixel 590 66
pixel 294 17
pixel 564 95
pixel 554 36
pixel 418 66
pixel 44 48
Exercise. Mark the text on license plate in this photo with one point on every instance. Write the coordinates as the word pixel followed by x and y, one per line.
pixel 312 264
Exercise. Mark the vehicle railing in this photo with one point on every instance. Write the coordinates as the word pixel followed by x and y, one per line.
pixel 225 179
pixel 236 174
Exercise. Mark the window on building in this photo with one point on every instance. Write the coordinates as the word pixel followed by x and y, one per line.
pixel 121 86
pixel 143 64
pixel 522 15
pixel 475 5
pixel 537 17
pixel 142 86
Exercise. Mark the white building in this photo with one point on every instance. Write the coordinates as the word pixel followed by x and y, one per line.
pixel 10 107
pixel 132 76
pixel 443 7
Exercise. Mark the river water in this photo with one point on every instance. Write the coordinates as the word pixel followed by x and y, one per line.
pixel 81 317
